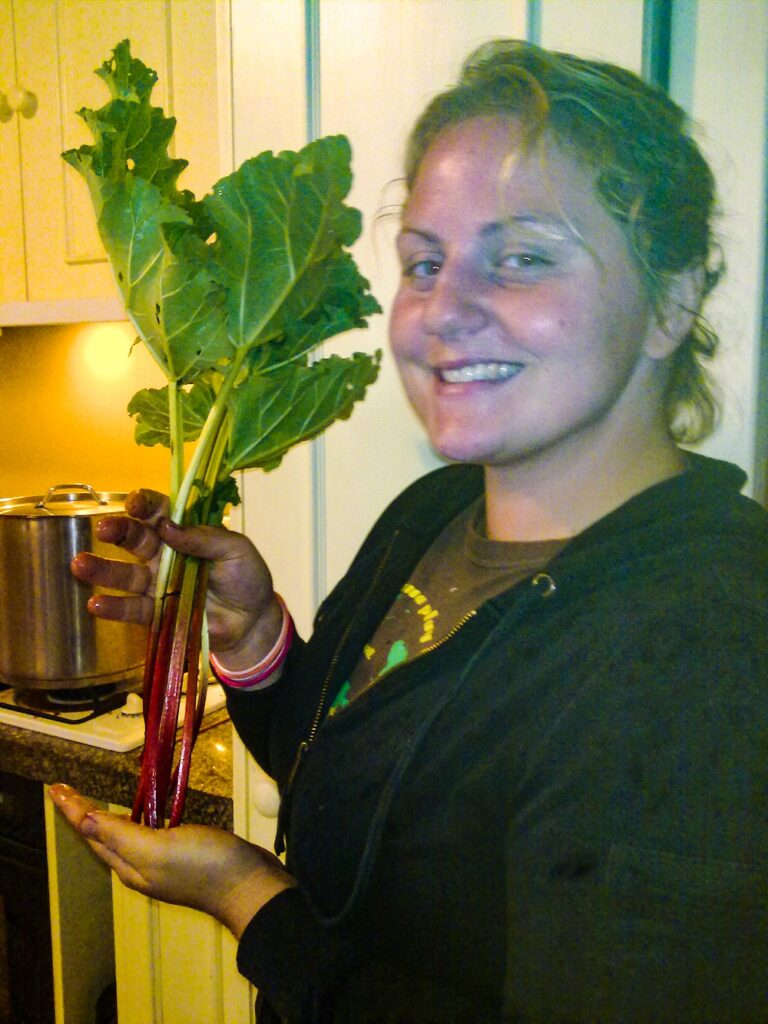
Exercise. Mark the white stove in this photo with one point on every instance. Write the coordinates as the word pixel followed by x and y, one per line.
pixel 120 729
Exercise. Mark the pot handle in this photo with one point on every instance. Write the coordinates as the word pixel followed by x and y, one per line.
pixel 69 489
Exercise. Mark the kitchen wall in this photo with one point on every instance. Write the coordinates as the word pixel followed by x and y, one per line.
pixel 63 397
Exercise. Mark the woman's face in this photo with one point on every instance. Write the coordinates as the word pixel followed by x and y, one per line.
pixel 521 325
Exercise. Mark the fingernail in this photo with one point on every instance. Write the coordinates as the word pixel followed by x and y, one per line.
pixel 169 525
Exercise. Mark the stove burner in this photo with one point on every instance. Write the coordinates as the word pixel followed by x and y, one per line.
pixel 71 699
pixel 70 704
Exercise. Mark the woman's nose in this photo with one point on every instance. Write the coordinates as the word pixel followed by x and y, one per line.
pixel 453 305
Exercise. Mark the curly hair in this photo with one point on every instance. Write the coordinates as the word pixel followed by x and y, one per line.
pixel 649 174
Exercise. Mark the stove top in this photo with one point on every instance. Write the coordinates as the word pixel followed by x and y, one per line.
pixel 116 728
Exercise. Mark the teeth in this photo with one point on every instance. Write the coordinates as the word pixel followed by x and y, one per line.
pixel 481 372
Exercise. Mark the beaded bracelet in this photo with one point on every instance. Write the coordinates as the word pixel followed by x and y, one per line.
pixel 260 675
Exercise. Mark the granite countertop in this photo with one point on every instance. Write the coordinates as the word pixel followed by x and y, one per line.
pixel 112 777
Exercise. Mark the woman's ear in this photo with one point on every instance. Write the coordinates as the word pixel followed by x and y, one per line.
pixel 677 313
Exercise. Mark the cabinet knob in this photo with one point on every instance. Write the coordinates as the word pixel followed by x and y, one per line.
pixel 5 111
pixel 266 799
pixel 22 101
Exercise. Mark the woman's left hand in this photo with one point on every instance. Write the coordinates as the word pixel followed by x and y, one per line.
pixel 192 865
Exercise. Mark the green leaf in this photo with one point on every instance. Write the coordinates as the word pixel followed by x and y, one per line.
pixel 131 221
pixel 280 228
pixel 149 407
pixel 130 136
pixel 125 76
pixel 210 509
pixel 272 412
pixel 230 294
pixel 302 336
pixel 162 271
pixel 192 307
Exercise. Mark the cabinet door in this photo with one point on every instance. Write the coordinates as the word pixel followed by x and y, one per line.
pixel 81 921
pixel 58 47
pixel 12 275
pixel 174 965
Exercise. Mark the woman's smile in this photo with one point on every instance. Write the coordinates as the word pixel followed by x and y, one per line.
pixel 521 320
pixel 478 372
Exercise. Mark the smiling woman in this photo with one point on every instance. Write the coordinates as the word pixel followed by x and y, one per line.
pixel 524 333
pixel 522 756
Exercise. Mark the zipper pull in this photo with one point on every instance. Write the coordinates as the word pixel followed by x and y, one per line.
pixel 544 584
pixel 285 799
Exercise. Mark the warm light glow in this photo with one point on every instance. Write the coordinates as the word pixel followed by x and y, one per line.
pixel 104 349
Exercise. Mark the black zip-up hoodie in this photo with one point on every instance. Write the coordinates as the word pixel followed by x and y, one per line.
pixel 561 814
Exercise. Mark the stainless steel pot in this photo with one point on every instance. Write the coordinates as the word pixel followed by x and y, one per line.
pixel 48 638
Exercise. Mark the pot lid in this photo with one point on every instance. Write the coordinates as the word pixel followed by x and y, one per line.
pixel 64 500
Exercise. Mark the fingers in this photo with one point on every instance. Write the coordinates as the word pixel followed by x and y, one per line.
pixel 133 577
pixel 214 543
pixel 106 833
pixel 142 538
pixel 149 506
pixel 138 538
pixel 122 609
pixel 72 805
pixel 136 579
pixel 122 844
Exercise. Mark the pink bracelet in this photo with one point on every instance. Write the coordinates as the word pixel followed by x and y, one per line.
pixel 250 678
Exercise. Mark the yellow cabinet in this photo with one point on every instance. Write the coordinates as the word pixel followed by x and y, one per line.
pixel 54 267
pixel 174 965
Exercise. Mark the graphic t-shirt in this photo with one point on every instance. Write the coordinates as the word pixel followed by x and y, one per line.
pixel 461 570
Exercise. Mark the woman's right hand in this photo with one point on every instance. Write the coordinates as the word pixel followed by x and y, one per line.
pixel 244 616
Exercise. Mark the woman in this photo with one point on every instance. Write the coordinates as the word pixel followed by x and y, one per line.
pixel 523 756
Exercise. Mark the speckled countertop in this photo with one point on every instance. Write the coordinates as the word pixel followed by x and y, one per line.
pixel 105 775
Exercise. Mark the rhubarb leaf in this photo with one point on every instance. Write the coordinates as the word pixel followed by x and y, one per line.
pixel 230 295
pixel 272 412
pixel 162 270
pixel 211 507
pixel 280 228
pixel 149 407
pixel 131 137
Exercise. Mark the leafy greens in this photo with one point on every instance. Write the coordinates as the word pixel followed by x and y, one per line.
pixel 230 294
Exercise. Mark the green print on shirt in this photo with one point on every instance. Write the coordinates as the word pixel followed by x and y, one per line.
pixel 398 650
pixel 398 653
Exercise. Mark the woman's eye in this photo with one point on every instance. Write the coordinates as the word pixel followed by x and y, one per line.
pixel 516 262
pixel 421 270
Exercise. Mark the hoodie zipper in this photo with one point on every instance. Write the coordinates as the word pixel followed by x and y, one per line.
pixel 542 582
pixel 307 743
pixel 318 716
